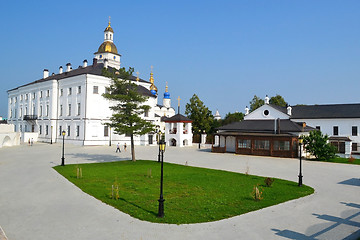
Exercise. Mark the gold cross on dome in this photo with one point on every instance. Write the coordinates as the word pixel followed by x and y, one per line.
pixel 178 100
pixel 109 20
pixel 152 68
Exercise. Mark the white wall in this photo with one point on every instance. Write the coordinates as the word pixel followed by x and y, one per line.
pixel 259 113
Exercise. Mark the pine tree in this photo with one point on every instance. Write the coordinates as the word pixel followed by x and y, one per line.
pixel 127 106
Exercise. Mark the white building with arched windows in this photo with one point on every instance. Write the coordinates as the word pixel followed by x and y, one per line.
pixel 71 100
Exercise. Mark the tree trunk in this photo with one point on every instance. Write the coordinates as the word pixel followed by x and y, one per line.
pixel 132 148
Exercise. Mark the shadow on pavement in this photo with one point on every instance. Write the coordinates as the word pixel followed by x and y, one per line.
pixel 335 222
pixel 98 157
pixel 352 182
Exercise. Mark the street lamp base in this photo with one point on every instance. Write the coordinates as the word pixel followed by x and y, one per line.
pixel 161 208
pixel 62 161
pixel 300 180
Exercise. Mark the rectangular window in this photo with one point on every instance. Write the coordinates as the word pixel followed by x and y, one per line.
pixel 354 130
pixel 47 130
pixel 15 113
pixel 335 130
pixel 40 111
pixel 146 113
pixel 106 131
pixel 77 130
pixel 48 93
pixel 61 92
pixel 61 110
pixel 26 97
pixel 69 113
pixel 20 111
pixel 34 95
pixel 96 90
pixel 60 130
pixel 244 143
pixel 68 132
pixel 318 128
pixel 79 89
pixel 40 129
pixel 354 147
pixel 21 97
pixel 70 91
pixel 41 94
pixel 78 109
pixel 262 144
pixel 281 146
pixel 47 110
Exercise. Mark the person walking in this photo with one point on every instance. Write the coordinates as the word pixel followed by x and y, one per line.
pixel 125 147
pixel 118 147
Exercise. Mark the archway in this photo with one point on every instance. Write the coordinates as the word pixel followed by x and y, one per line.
pixel 172 142
pixel 6 142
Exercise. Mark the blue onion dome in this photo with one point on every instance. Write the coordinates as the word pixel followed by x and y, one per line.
pixel 153 92
pixel 166 93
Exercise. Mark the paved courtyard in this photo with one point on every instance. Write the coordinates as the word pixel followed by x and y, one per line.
pixel 37 203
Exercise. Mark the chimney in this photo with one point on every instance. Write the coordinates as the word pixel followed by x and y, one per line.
pixel 46 73
pixel 289 108
pixel 85 63
pixel 60 70
pixel 94 62
pixel 68 67
pixel 105 63
pixel 267 99
pixel 246 110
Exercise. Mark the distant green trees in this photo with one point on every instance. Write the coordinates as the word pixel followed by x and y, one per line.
pixel 200 115
pixel 257 102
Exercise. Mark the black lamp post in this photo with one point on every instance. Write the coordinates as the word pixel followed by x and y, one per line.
pixel 300 173
pixel 199 138
pixel 63 158
pixel 161 199
pixel 159 142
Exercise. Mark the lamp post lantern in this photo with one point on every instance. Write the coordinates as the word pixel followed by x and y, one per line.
pixel 300 173
pixel 161 199
pixel 63 158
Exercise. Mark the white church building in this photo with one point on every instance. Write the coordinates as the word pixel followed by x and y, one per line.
pixel 71 100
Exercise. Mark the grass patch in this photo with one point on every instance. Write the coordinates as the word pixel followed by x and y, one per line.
pixel 345 160
pixel 339 160
pixel 191 194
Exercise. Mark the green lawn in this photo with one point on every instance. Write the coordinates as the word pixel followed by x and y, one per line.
pixel 344 160
pixel 192 195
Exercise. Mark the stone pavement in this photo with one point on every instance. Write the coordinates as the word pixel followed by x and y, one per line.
pixel 37 203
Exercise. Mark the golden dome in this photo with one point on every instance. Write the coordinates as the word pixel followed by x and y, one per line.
pixel 107 47
pixel 108 28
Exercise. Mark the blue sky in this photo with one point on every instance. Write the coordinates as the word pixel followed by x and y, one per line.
pixel 224 51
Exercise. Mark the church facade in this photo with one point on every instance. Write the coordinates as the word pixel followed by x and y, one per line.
pixel 72 101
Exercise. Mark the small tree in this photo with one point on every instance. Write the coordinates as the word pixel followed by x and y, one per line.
pixel 317 144
pixel 233 117
pixel 278 100
pixel 200 115
pixel 127 106
pixel 255 103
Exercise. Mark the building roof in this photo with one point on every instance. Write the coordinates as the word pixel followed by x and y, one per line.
pixel 178 118
pixel 266 126
pixel 95 69
pixel 326 111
